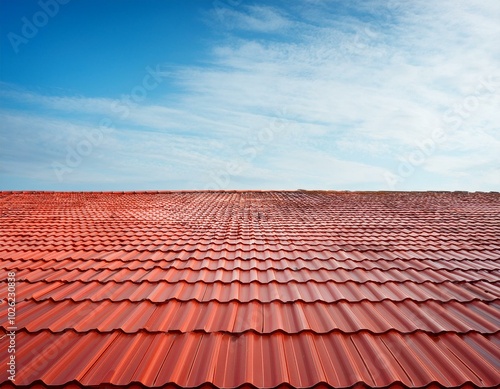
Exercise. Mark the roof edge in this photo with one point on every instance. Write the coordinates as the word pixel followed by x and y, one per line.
pixel 240 191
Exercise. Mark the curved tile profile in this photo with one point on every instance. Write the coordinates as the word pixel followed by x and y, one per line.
pixel 283 276
pixel 264 318
pixel 330 292
pixel 252 289
pixel 45 263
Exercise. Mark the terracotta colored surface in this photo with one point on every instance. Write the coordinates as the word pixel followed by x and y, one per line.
pixel 252 289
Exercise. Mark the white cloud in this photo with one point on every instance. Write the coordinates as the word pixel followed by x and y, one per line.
pixel 251 17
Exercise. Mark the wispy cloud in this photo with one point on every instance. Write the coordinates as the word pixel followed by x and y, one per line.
pixel 359 90
pixel 255 18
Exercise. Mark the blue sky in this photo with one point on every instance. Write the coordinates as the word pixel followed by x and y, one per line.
pixel 236 94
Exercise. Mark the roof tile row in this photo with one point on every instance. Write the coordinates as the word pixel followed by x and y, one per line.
pixel 173 275
pixel 308 292
pixel 234 317
pixel 120 254
pixel 249 264
pixel 265 361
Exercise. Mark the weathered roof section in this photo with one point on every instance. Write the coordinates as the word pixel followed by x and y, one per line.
pixel 252 289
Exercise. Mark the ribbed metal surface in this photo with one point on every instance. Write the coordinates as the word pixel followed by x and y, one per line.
pixel 253 289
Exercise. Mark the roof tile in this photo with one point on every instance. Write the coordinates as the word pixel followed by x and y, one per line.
pixel 253 289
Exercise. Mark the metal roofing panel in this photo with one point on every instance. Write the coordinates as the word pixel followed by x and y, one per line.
pixel 253 289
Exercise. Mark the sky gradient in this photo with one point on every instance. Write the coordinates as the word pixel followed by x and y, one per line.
pixel 235 94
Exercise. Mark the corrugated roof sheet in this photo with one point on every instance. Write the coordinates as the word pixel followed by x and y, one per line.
pixel 252 289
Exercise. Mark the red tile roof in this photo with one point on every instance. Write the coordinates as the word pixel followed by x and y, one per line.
pixel 252 289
